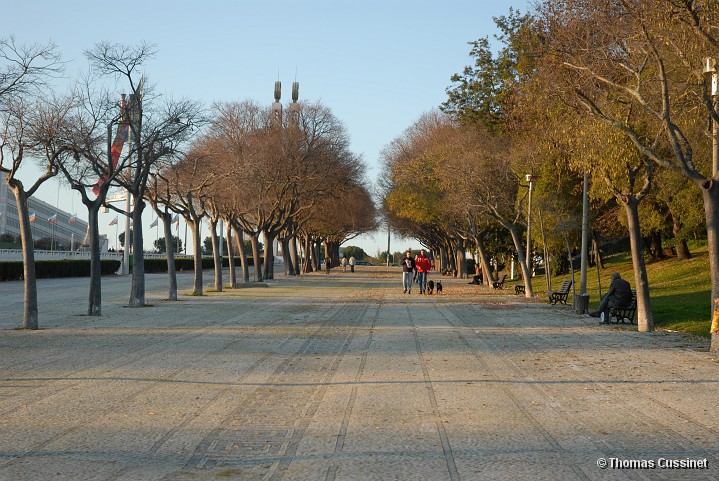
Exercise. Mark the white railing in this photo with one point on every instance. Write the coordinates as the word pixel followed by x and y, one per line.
pixel 10 255
pixel 43 255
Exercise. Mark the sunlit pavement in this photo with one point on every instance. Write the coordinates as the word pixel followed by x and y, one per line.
pixel 344 377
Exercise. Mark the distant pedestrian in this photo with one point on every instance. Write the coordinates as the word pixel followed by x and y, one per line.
pixel 328 264
pixel 423 265
pixel 352 263
pixel 407 271
pixel 344 264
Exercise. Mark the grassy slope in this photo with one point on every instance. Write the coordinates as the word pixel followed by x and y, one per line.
pixel 680 291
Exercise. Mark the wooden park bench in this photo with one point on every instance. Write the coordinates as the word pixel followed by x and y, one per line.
pixel 627 312
pixel 519 289
pixel 560 295
pixel 499 284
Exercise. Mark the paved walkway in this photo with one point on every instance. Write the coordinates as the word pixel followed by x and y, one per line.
pixel 343 377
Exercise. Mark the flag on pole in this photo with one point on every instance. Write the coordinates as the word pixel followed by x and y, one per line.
pixel 52 219
pixel 117 144
pixel 134 107
pixel 120 139
pixel 176 219
pixel 73 219
pixel 154 223
pixel 33 217
pixel 114 221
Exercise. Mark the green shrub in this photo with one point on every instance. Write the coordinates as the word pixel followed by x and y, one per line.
pixel 54 269
pixel 11 271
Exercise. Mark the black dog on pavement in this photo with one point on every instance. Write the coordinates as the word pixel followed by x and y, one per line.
pixel 430 287
pixel 439 287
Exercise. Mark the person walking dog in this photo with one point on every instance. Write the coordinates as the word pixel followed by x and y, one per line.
pixel 423 265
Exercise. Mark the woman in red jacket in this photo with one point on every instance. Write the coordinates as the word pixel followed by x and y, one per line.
pixel 423 265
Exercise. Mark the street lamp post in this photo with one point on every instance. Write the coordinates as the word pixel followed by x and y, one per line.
pixel 582 304
pixel 529 179
pixel 119 120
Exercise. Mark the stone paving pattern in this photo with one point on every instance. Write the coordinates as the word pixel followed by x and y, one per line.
pixel 343 377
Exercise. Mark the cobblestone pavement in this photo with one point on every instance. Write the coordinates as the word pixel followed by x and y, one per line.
pixel 344 377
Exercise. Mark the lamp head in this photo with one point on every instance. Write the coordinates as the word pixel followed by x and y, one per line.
pixel 709 66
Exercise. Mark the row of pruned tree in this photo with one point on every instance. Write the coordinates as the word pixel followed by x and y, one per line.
pixel 292 181
pixel 611 89
pixel 287 180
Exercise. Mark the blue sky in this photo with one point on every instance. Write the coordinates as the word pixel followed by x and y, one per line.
pixel 377 64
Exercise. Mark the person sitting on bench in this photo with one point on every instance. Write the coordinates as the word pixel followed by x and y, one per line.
pixel 477 277
pixel 618 295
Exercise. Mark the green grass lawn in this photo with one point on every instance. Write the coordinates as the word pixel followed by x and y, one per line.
pixel 680 291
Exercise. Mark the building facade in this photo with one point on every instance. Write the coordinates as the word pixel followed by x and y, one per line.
pixel 58 229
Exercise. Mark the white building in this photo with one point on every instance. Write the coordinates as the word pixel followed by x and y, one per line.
pixel 60 233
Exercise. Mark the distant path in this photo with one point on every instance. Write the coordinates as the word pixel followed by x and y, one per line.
pixel 343 377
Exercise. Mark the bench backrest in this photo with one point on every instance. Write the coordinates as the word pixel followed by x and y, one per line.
pixel 565 286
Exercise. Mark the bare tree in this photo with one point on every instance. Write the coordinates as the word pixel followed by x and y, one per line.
pixel 26 69
pixel 31 134
pixel 96 163
pixel 28 129
pixel 188 183
pixel 158 194
pixel 157 132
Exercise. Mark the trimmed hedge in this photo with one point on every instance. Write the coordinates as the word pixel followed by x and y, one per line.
pixel 188 264
pixel 10 271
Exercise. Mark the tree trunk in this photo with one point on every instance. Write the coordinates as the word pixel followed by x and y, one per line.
pixel 595 244
pixel 682 248
pixel 657 249
pixel 680 242
pixel 231 255
pixel 645 320
pixel 137 292
pixel 30 316
pixel 256 260
pixel 332 249
pixel 528 292
pixel 449 256
pixel 216 253
pixel 287 257
pixel 307 243
pixel 316 256
pixel 94 304
pixel 460 255
pixel 269 240
pixel 483 258
pixel 243 254
pixel 295 255
pixel 197 256
pixel 170 251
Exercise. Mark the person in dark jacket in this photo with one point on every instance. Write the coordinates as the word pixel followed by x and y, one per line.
pixel 618 295
pixel 407 272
